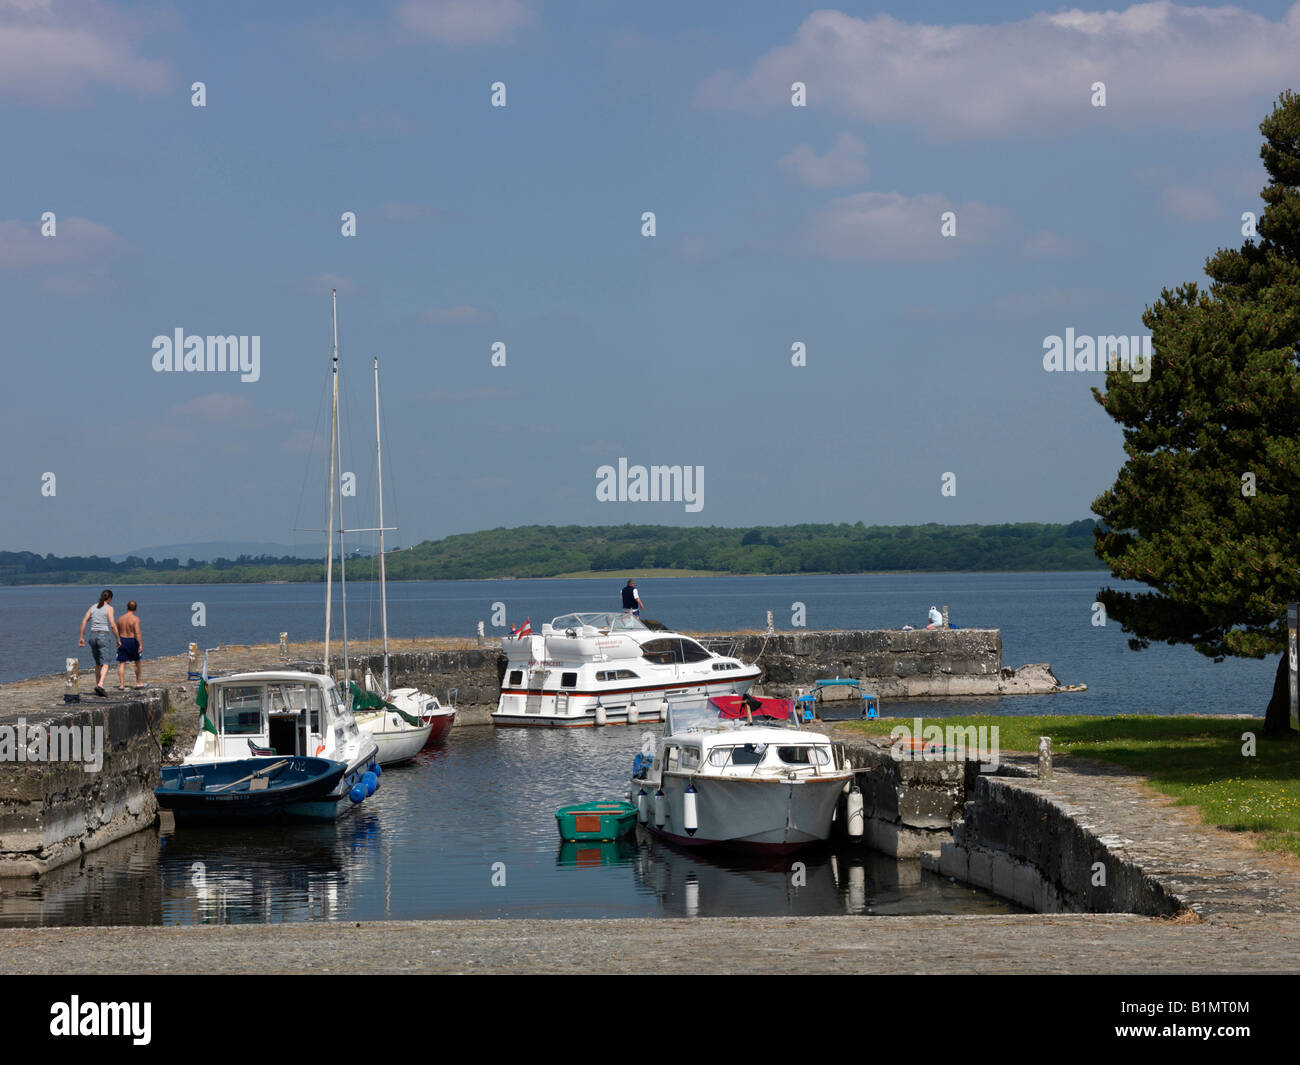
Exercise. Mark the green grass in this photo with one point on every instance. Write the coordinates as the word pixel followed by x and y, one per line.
pixel 1199 761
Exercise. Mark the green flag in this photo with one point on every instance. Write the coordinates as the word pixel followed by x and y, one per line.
pixel 201 697
pixel 366 700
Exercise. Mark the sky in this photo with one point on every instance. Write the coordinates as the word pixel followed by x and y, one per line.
pixel 798 329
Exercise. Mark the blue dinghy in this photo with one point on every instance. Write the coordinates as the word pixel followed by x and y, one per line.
pixel 251 790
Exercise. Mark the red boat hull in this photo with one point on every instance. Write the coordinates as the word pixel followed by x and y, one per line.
pixel 441 727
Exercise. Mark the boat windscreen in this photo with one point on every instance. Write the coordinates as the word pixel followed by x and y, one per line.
pixel 689 714
pixel 605 621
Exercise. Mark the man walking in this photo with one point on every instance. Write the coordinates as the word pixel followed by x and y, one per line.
pixel 632 599
pixel 129 650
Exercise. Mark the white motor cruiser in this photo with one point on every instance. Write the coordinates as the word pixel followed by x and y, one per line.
pixel 608 669
pixel 743 777
pixel 272 713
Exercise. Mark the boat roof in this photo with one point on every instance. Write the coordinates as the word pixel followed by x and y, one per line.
pixel 270 676
pixel 729 735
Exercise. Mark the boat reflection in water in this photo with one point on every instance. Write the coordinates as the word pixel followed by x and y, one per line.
pixel 818 882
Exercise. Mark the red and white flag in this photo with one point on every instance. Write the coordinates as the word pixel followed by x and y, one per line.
pixel 524 630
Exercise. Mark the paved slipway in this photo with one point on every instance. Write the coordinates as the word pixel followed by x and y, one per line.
pixel 1241 917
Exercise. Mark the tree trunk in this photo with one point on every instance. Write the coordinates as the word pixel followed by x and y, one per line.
pixel 1277 719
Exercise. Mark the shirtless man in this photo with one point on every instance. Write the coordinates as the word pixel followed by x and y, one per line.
pixel 128 628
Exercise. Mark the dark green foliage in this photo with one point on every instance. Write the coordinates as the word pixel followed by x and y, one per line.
pixel 1223 402
pixel 545 551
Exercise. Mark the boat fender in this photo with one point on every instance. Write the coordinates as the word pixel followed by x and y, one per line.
pixel 357 793
pixel 853 807
pixel 660 816
pixel 663 710
pixel 369 782
pixel 376 770
pixel 600 714
pixel 642 806
pixel 632 715
pixel 690 816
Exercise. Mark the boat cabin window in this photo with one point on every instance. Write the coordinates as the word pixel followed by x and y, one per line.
pixel 671 757
pixel 722 667
pixel 241 710
pixel 693 652
pixel 568 680
pixel 616 674
pixel 803 755
pixel 748 754
pixel 669 649
pixel 690 758
pixel 516 677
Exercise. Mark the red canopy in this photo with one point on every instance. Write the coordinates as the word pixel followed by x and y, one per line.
pixel 730 707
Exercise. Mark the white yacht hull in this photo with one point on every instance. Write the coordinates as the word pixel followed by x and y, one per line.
pixel 549 709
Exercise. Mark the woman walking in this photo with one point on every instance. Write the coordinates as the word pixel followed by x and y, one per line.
pixel 103 637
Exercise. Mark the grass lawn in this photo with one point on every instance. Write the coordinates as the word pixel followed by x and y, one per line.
pixel 1200 761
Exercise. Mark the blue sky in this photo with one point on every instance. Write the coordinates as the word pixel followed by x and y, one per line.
pixel 522 224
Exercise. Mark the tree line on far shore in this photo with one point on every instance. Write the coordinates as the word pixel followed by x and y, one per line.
pixel 548 551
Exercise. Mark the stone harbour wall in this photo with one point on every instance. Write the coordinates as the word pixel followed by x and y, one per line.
pixel 51 812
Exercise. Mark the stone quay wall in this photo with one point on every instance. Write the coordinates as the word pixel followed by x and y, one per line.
pixel 989 830
pixel 51 812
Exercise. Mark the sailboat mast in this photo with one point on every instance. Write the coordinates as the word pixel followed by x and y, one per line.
pixel 329 533
pixel 379 473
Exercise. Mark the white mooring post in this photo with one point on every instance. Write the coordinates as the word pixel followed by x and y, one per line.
pixel 771 622
pixel 71 669
pixel 1044 757
pixel 945 616
pixel 284 647
pixel 481 634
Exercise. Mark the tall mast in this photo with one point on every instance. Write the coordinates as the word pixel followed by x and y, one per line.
pixel 379 473
pixel 329 532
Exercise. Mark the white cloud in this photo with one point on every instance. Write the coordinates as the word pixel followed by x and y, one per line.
pixel 214 407
pixel 891 227
pixel 1161 62
pixel 76 241
pixel 461 315
pixel 56 51
pixel 843 164
pixel 458 22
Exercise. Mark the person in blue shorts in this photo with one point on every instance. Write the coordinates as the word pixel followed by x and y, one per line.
pixel 102 637
pixel 129 650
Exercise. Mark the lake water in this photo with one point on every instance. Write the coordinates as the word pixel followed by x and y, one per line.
pixel 1044 617
pixel 426 844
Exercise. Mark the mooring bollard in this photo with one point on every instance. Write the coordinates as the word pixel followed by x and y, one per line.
pixel 771 622
pixel 192 669
pixel 945 617
pixel 284 647
pixel 481 634
pixel 72 669
pixel 1044 757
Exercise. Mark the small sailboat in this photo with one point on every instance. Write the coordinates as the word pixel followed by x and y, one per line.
pixel 401 720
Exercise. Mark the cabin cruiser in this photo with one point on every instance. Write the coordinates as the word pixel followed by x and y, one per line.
pixel 271 713
pixel 729 776
pixel 608 668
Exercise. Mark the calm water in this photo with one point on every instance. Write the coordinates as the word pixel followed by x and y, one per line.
pixel 1044 617
pixel 425 845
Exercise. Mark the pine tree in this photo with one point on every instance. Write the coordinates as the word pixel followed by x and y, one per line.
pixel 1207 510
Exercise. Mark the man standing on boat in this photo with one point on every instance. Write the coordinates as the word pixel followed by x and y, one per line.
pixel 631 598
